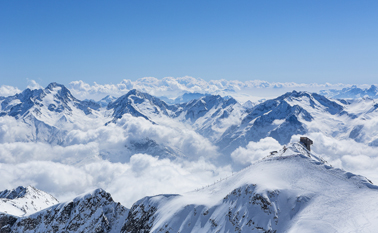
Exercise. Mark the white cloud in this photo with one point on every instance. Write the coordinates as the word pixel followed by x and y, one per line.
pixel 8 90
pixel 128 182
pixel 255 151
pixel 32 85
pixel 346 154
pixel 173 87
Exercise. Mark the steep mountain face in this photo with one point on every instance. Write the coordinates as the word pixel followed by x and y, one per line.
pixel 352 92
pixel 44 110
pixel 364 124
pixel 91 212
pixel 54 98
pixel 207 115
pixel 281 118
pixel 104 102
pixel 187 97
pixel 139 104
pixel 24 200
pixel 210 115
pixel 292 191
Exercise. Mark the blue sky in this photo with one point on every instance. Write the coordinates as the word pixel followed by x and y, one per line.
pixel 107 41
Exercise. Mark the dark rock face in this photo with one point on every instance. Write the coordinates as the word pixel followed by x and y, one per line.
pixel 20 191
pixel 6 222
pixel 140 218
pixel 94 212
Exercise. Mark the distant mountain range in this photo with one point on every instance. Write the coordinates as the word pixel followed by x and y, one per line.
pixel 352 92
pixel 49 114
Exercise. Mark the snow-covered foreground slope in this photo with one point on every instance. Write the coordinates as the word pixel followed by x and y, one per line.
pixel 292 191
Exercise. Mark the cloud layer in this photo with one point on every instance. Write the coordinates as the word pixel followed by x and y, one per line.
pixel 173 87
pixel 127 182
pixel 94 155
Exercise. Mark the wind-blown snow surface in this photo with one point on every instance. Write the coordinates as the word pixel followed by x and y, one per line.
pixel 292 191
pixel 58 143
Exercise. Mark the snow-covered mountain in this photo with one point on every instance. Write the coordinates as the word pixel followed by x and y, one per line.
pixel 352 92
pixel 92 212
pixel 104 102
pixel 139 104
pixel 25 200
pixel 292 190
pixel 47 113
pixel 299 113
pixel 50 114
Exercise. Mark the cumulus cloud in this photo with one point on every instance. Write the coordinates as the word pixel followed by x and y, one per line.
pixel 8 90
pixel 32 84
pixel 255 151
pixel 346 154
pixel 143 175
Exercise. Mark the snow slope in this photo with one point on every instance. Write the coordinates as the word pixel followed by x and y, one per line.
pixel 292 191
pixel 25 200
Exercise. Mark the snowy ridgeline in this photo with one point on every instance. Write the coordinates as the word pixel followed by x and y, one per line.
pixel 290 191
pixel 54 116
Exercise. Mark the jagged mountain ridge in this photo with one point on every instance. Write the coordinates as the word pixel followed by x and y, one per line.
pixel 139 104
pixel 47 113
pixel 52 112
pixel 92 212
pixel 290 114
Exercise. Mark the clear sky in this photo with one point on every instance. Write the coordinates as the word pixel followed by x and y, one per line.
pixel 107 41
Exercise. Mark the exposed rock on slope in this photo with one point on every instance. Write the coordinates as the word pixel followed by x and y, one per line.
pixel 92 212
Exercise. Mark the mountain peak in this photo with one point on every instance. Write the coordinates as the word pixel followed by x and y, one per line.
pixel 53 85
pixel 18 192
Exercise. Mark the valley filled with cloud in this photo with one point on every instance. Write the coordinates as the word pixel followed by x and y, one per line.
pixel 66 149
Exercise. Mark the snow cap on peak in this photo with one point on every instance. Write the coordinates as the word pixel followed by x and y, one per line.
pixel 14 193
pixel 133 92
pixel 295 149
pixel 99 192
pixel 53 85
pixel 18 192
